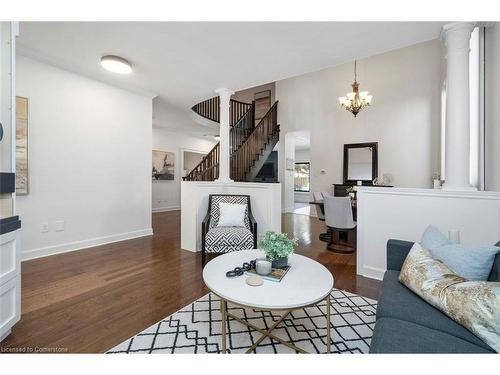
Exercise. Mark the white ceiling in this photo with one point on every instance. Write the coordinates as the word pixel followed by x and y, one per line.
pixel 184 62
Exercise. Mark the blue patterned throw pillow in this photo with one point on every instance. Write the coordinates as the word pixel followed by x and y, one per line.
pixel 470 262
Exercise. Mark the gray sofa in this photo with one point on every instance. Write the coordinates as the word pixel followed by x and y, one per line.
pixel 407 324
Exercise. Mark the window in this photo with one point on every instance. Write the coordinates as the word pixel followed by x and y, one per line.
pixel 301 177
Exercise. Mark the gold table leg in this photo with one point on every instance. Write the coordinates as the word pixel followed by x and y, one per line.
pixel 328 329
pixel 223 306
pixel 267 334
pixel 225 315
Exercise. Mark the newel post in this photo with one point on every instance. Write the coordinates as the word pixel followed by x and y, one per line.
pixel 225 157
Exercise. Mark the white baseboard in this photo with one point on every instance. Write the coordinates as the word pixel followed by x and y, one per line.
pixel 80 245
pixel 165 209
pixel 372 272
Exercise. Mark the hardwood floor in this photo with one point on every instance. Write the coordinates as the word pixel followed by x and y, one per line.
pixel 93 299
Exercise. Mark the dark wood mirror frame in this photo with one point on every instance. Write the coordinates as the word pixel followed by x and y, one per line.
pixel 374 146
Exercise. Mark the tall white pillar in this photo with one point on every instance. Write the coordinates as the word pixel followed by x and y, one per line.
pixel 224 157
pixel 457 135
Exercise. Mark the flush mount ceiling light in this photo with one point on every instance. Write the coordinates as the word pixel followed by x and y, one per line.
pixel 116 64
pixel 217 137
pixel 355 101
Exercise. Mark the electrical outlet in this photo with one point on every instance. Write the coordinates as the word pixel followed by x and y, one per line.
pixel 44 227
pixel 59 225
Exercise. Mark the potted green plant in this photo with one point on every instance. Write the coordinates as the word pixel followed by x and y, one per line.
pixel 277 247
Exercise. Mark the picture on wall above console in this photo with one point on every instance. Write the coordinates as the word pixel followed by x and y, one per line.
pixel 262 103
pixel 22 182
pixel 163 165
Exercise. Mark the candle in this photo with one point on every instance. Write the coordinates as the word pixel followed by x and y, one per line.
pixel 263 267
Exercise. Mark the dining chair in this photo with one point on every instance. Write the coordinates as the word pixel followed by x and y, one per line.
pixel 318 198
pixel 340 224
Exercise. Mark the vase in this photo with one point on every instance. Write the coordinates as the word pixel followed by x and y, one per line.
pixel 280 262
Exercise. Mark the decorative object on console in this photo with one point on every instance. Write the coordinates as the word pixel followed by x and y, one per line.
pixel 470 262
pixel 355 101
pixel 277 247
pixel 163 165
pixel 436 180
pixel 473 304
pixel 22 181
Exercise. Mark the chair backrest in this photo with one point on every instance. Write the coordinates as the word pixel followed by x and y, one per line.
pixel 338 212
pixel 214 209
pixel 318 196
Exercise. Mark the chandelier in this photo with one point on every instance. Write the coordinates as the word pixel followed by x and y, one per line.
pixel 355 101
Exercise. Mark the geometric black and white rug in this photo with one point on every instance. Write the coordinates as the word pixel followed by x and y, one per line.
pixel 196 328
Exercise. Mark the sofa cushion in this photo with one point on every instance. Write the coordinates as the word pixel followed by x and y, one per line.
pixel 227 239
pixel 397 301
pixel 399 336
pixel 473 304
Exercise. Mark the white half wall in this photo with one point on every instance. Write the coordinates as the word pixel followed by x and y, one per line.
pixel 265 201
pixel 167 194
pixel 89 161
pixel 403 214
pixel 404 117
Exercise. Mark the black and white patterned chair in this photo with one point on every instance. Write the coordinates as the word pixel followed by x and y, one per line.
pixel 219 240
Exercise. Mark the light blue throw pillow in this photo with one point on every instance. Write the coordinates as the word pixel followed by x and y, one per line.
pixel 433 238
pixel 471 262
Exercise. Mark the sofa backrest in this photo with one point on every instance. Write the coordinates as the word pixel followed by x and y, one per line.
pixel 495 270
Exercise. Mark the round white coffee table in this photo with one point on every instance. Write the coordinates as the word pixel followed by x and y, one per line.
pixel 306 283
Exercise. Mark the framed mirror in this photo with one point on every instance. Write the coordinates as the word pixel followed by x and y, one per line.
pixel 360 163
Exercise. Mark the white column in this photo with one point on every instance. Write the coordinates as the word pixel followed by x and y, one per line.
pixel 457 135
pixel 224 157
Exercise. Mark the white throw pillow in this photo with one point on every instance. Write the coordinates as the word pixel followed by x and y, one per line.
pixel 232 215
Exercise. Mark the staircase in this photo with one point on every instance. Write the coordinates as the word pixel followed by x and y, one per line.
pixel 250 144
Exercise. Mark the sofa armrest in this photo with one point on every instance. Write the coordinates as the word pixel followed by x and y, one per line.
pixel 495 270
pixel 397 250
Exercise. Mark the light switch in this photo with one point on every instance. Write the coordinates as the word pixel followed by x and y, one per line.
pixel 44 227
pixel 59 225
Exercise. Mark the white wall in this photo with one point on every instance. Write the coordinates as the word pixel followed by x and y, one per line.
pixel 404 117
pixel 89 161
pixel 167 194
pixel 492 109
pixel 247 95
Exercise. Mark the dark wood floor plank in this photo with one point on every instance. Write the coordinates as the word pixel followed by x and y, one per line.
pixel 91 300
